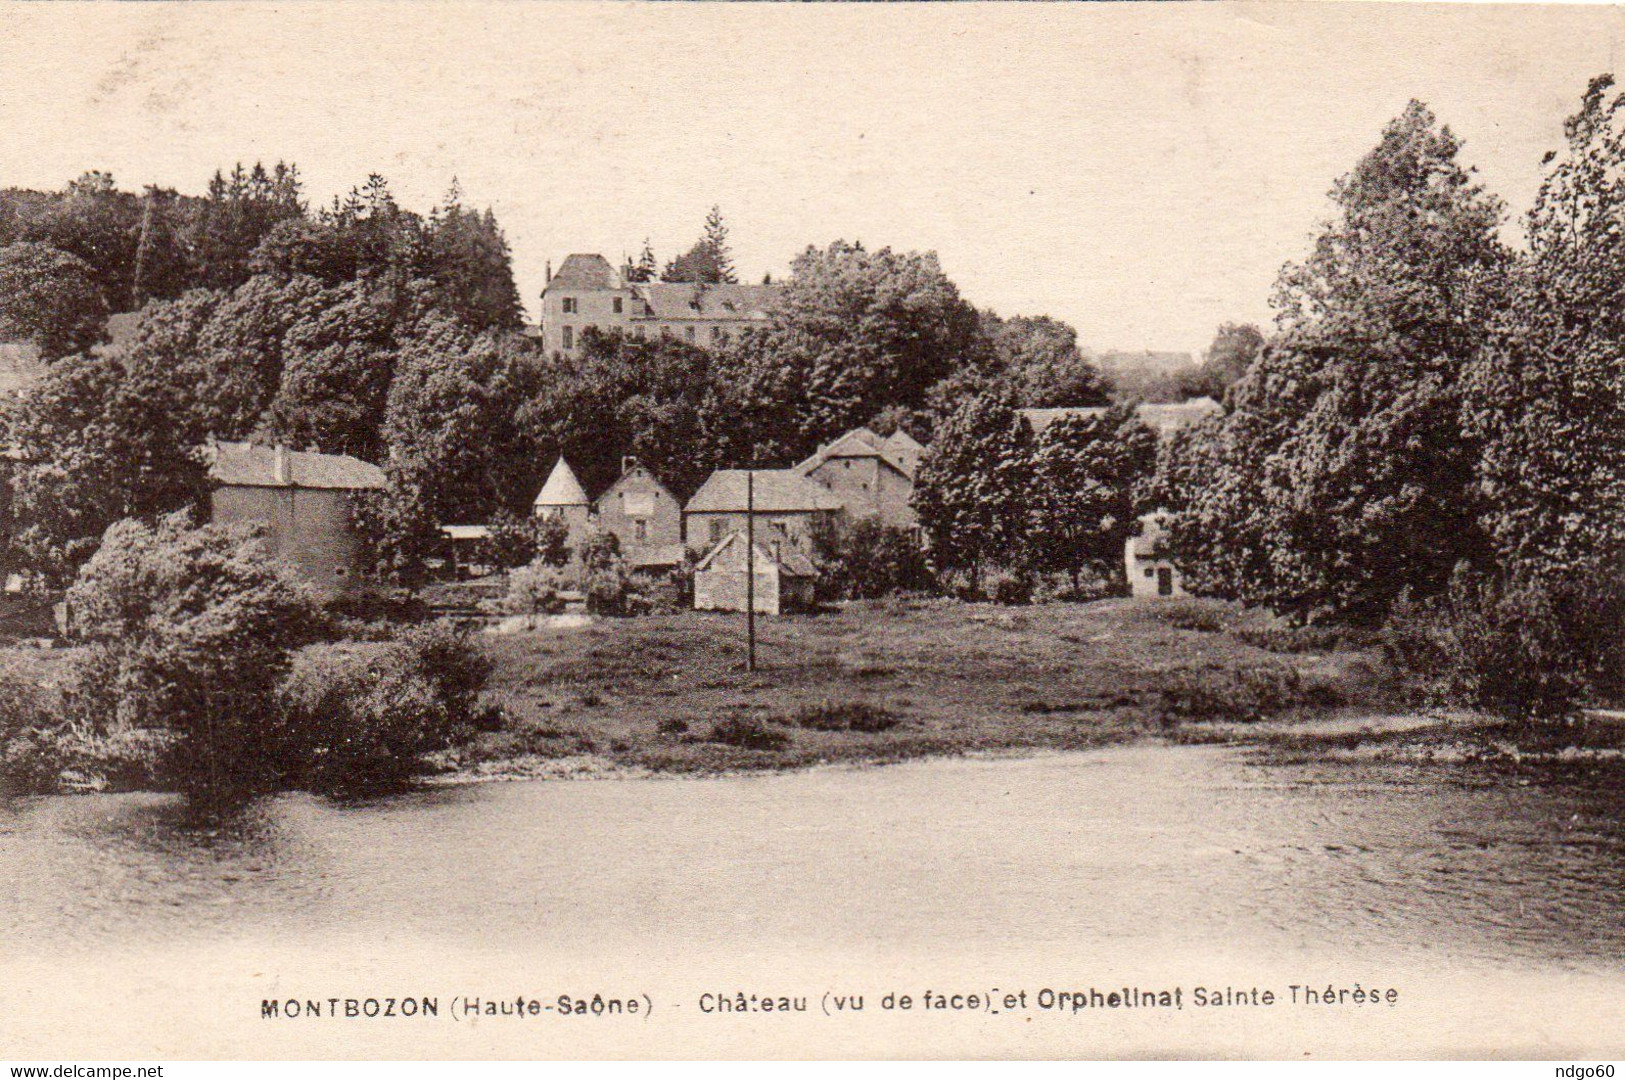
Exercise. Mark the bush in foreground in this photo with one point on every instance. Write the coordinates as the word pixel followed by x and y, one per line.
pixel 859 716
pixel 1520 648
pixel 747 733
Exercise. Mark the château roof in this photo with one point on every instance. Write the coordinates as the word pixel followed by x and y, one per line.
pixel 863 443
pixel 680 300
pixel 585 272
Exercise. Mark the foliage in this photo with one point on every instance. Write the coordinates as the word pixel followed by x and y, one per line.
pixel 1089 475
pixel 709 261
pixel 973 487
pixel 860 716
pixel 854 332
pixel 864 558
pixel 1339 473
pixel 511 541
pixel 1039 360
pixel 196 626
pixel 362 715
pixel 535 590
pixel 50 299
pixel 605 579
pixel 1241 694
pixel 1547 395
pixel 1516 646
pixel 747 733
pixel 94 443
pixel 1235 346
pixel 1188 614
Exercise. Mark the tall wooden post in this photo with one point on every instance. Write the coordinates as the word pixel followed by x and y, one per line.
pixel 750 569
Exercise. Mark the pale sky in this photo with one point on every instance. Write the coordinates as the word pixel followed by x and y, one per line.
pixel 1139 171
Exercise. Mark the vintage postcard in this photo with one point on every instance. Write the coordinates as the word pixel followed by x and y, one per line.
pixel 582 530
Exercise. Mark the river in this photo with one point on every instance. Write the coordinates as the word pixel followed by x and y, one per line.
pixel 1177 862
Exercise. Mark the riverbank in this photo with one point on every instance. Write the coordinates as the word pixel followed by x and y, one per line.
pixel 888 681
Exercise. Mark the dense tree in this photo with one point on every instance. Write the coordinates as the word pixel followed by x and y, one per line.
pixel 237 213
pixel 472 266
pixel 1089 475
pixel 161 269
pixel 1039 359
pixel 92 444
pixel 1345 433
pixel 644 269
pixel 854 332
pixel 1547 394
pixel 973 489
pixel 1235 346
pixel 708 262
pixel 50 299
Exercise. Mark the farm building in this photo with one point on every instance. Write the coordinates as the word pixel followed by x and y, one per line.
pixel 305 501
pixel 786 505
pixel 784 578
pixel 1164 418
pixel 644 516
pixel 1149 573
pixel 871 476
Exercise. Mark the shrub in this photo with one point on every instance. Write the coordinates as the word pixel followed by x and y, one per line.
pixel 864 559
pixel 1240 694
pixel 1190 615
pixel 1009 587
pixel 193 628
pixel 1292 639
pixel 1519 648
pixel 361 715
pixel 535 590
pixel 747 733
pixel 672 726
pixel 847 716
pixel 30 758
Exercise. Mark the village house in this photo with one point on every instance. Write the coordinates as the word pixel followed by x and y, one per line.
pixel 588 293
pixel 305 501
pixel 871 476
pixel 785 502
pixel 644 516
pixel 562 498
pixel 784 578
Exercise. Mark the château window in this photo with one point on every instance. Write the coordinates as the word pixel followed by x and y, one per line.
pixel 570 305
pixel 716 334
pixel 640 529
pixel 689 333
pixel 569 337
pixel 617 305
pixel 716 530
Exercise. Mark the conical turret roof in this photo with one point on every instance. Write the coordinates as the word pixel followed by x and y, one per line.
pixel 562 488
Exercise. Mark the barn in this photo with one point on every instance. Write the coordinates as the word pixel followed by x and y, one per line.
pixel 784 578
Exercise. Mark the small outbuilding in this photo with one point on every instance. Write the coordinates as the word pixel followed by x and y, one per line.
pixel 644 516
pixel 784 578
pixel 1150 573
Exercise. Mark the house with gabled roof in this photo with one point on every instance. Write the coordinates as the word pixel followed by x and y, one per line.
pixel 305 501
pixel 589 294
pixel 784 577
pixel 645 517
pixel 871 476
pixel 786 504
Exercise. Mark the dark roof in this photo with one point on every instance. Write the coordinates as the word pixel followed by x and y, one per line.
pixel 655 556
pixel 674 301
pixel 246 465
pixel 863 443
pixel 777 491
pixel 585 272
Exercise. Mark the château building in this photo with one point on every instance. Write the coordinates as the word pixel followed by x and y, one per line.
pixel 589 293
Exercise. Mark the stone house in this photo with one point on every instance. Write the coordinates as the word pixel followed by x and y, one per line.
pixel 305 501
pixel 784 578
pixel 786 504
pixel 588 293
pixel 644 516
pixel 871 476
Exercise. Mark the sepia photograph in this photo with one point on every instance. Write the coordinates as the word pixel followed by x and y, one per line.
pixel 618 530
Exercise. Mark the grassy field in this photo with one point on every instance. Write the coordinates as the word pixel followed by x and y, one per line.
pixel 895 679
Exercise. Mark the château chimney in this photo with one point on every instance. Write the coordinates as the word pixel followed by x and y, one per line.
pixel 282 465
